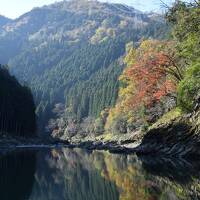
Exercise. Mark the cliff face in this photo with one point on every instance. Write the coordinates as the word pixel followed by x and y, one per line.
pixel 196 116
pixel 179 137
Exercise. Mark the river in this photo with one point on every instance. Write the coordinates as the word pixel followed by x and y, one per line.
pixel 76 174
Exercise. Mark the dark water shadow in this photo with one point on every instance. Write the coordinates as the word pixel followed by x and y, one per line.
pixel 181 171
pixel 17 171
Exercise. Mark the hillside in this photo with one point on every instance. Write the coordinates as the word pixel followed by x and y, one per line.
pixel 158 107
pixel 4 20
pixel 17 109
pixel 69 53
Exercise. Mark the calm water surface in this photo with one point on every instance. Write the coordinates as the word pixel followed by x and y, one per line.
pixel 65 174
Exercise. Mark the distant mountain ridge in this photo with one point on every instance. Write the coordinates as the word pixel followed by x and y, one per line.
pixel 69 47
pixel 65 19
pixel 4 20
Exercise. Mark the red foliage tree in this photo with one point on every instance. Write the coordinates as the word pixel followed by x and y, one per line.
pixel 150 74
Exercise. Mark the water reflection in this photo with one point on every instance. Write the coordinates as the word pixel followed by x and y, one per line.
pixel 70 175
pixel 17 175
pixel 65 174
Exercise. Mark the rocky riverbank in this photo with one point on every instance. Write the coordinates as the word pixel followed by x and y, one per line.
pixel 178 136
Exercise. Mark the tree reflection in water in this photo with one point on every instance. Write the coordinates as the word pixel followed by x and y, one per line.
pixel 66 174
pixel 80 175
pixel 17 171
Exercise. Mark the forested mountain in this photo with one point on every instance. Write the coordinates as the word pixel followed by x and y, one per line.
pixel 70 52
pixel 4 20
pixel 161 80
pixel 17 109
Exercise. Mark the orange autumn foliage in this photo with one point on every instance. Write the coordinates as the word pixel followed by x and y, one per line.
pixel 150 73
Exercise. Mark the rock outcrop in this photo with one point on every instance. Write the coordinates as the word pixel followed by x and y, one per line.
pixel 179 138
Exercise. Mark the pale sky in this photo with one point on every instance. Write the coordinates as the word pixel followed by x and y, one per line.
pixel 15 8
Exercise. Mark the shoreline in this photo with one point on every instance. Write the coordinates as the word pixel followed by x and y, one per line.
pixel 176 150
pixel 178 137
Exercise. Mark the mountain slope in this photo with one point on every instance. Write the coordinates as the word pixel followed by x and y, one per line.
pixel 69 52
pixel 17 109
pixel 4 20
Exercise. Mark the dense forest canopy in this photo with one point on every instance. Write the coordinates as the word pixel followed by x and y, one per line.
pixel 17 108
pixel 97 67
pixel 70 53
pixel 160 75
